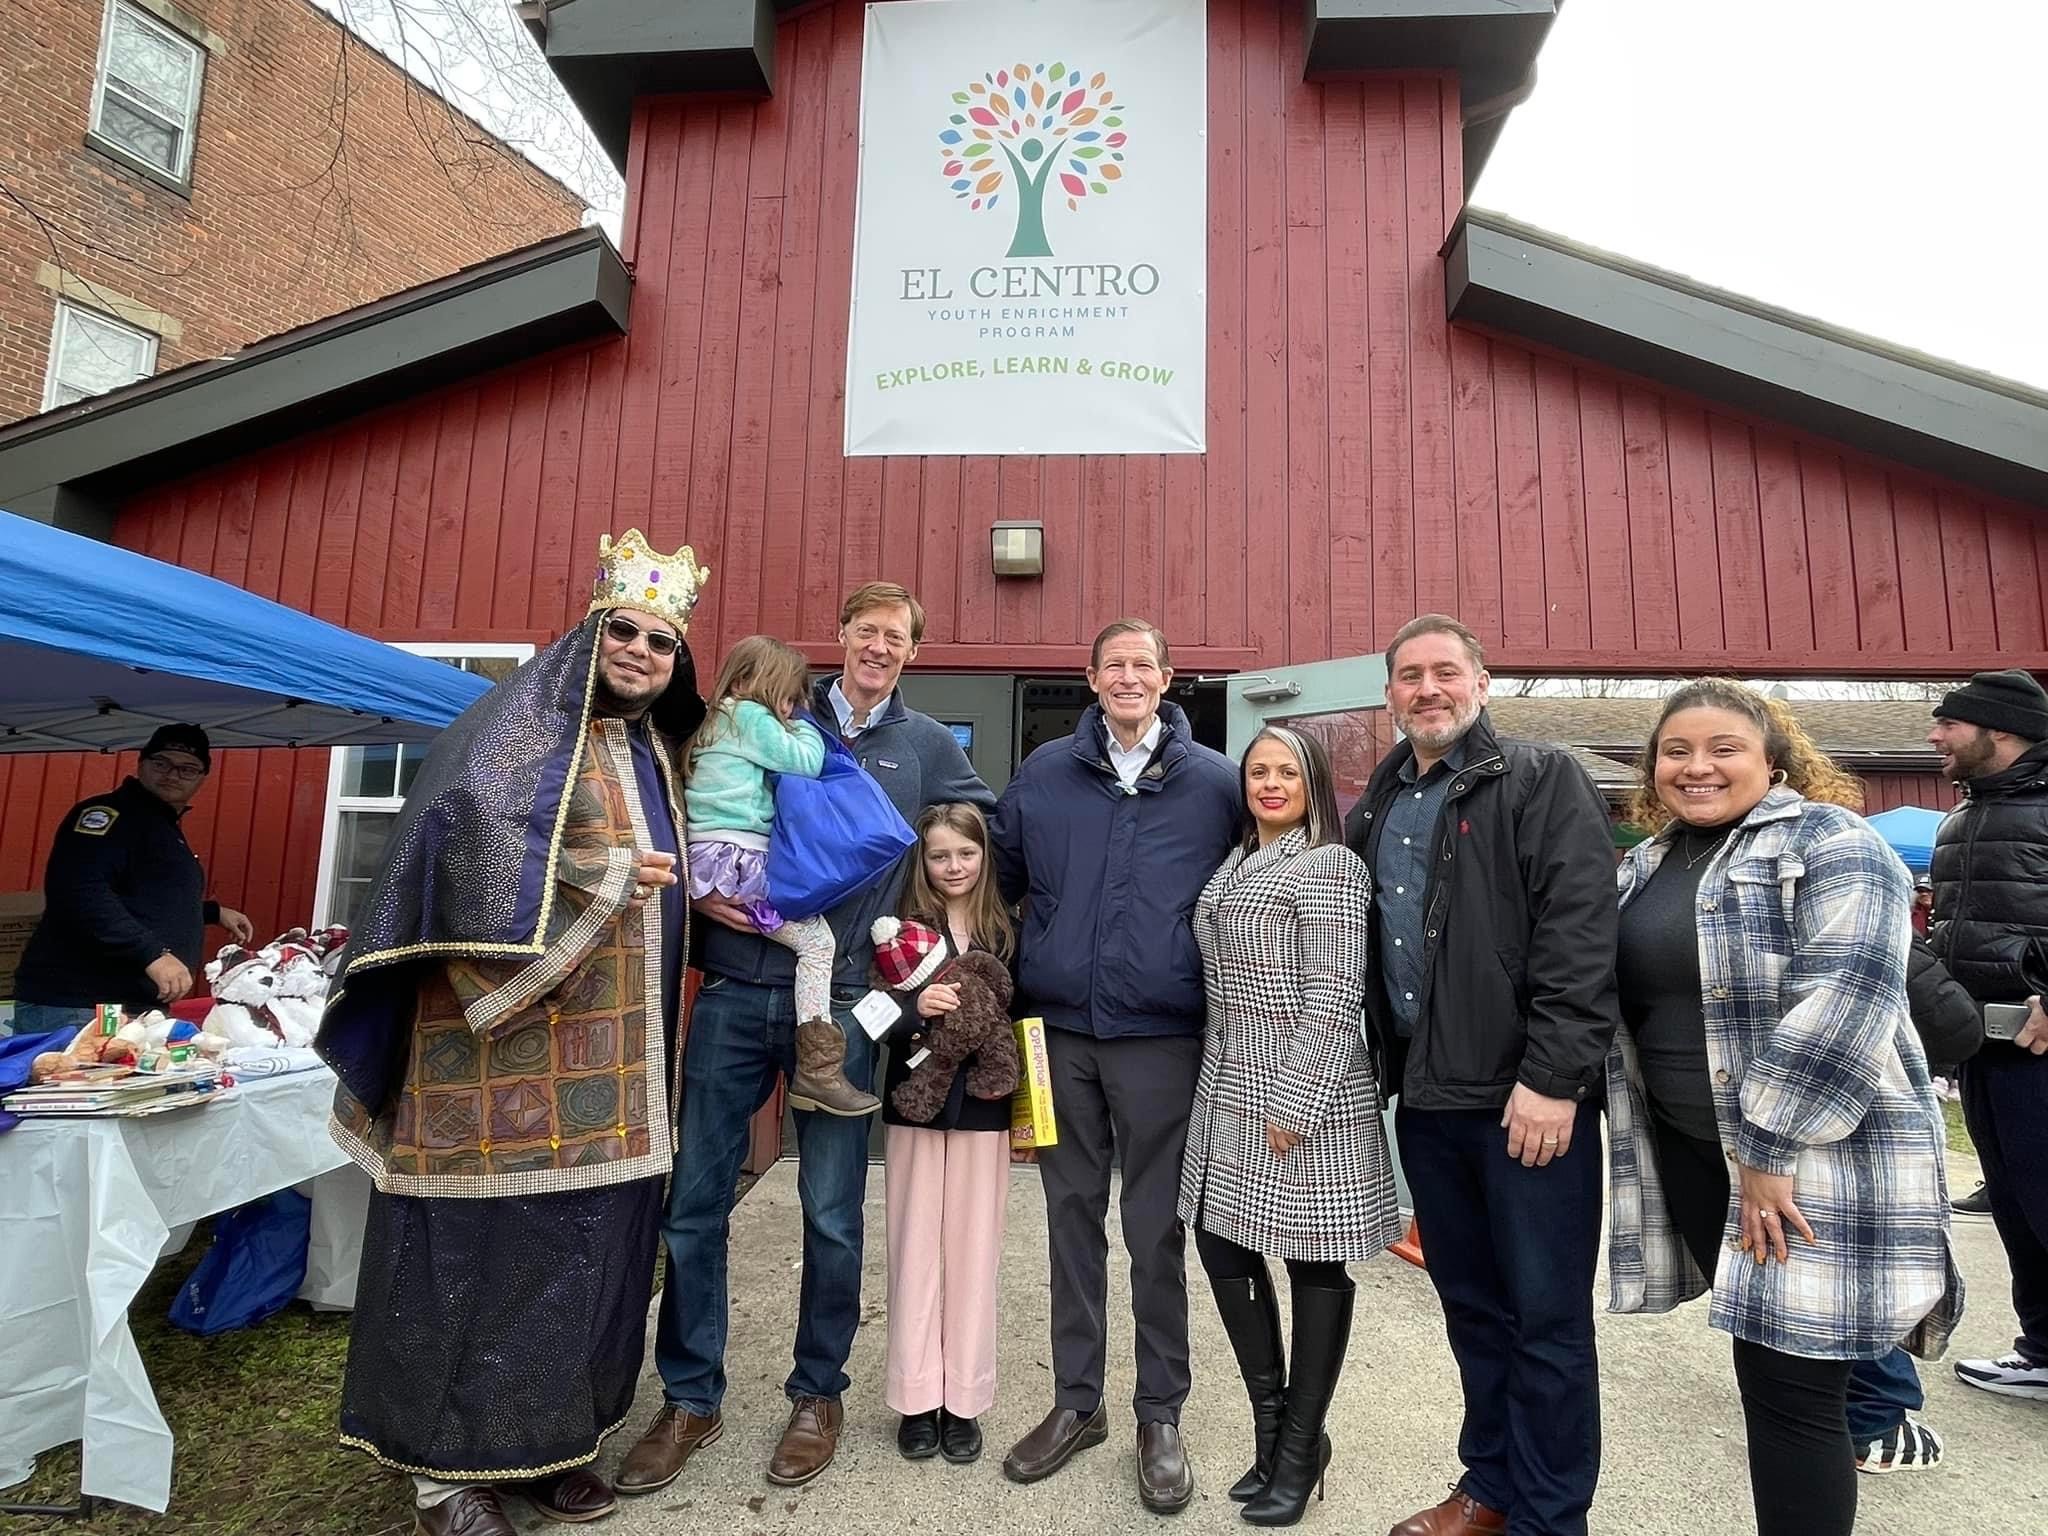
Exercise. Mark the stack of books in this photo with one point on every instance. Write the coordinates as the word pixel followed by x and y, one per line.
pixel 100 1093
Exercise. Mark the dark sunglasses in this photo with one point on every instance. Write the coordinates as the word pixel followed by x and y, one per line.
pixel 625 631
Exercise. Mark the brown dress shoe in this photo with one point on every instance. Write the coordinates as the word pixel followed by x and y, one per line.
pixel 809 1442
pixel 573 1497
pixel 1052 1445
pixel 671 1440
pixel 472 1512
pixel 1459 1515
pixel 1166 1480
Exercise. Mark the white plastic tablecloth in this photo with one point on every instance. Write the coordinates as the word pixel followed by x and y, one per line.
pixel 87 1207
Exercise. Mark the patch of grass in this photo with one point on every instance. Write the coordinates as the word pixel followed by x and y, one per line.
pixel 254 1415
pixel 1958 1133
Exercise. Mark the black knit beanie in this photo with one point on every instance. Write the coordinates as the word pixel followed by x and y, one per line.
pixel 2009 701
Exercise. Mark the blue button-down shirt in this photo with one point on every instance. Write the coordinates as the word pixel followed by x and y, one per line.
pixel 1400 880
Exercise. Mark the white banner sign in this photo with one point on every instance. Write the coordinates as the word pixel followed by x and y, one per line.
pixel 1032 234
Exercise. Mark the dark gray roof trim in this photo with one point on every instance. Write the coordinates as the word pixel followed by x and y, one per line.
pixel 1884 400
pixel 72 465
pixel 1492 44
pixel 608 52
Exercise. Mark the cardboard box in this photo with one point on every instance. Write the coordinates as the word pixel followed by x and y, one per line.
pixel 19 913
pixel 1031 1115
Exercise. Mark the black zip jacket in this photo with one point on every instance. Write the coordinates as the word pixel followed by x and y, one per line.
pixel 121 888
pixel 1519 931
pixel 1946 1018
pixel 1991 883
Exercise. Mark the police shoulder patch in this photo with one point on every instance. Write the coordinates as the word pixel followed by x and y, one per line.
pixel 94 820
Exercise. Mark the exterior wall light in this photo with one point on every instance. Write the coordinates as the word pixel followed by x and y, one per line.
pixel 1018 549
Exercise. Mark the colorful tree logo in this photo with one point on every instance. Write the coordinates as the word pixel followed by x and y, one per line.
pixel 1042 122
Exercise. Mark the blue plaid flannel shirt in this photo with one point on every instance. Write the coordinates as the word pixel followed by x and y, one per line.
pixel 1803 927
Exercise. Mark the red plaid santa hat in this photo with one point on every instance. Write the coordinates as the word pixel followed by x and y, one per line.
pixel 907 953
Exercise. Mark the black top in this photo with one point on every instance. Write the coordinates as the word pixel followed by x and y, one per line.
pixel 122 886
pixel 905 1039
pixel 1990 873
pixel 1658 970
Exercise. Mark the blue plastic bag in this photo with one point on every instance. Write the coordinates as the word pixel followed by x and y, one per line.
pixel 832 835
pixel 254 1268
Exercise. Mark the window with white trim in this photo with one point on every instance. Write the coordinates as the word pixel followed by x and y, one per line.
pixel 91 353
pixel 366 789
pixel 145 102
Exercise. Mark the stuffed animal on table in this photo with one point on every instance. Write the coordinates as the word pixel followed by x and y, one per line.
pixel 300 995
pixel 910 956
pixel 244 986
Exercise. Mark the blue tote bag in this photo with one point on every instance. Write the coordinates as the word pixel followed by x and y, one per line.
pixel 833 834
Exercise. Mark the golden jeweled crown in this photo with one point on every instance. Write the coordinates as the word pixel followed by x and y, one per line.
pixel 631 575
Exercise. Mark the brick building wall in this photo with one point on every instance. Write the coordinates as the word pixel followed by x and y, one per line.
pixel 287 218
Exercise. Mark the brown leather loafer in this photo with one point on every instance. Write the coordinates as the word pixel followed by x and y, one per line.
pixel 1060 1434
pixel 809 1442
pixel 573 1497
pixel 1166 1479
pixel 671 1440
pixel 472 1512
pixel 1459 1515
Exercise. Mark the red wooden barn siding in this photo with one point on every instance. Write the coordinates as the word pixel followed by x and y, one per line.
pixel 1882 791
pixel 1366 460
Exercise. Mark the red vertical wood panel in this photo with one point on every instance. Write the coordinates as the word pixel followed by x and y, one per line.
pixel 2015 582
pixel 519 530
pixel 1060 497
pixel 1472 468
pixel 370 568
pixel 976 590
pixel 1738 535
pixel 202 526
pixel 1922 593
pixel 1265 350
pixel 1694 544
pixel 1562 495
pixel 691 233
pixel 1102 566
pixel 1875 548
pixel 267 524
pixel 466 531
pixel 555 557
pixel 902 516
pixel 1386 329
pixel 640 401
pixel 1350 474
pixel 335 533
pixel 745 572
pixel 1306 537
pixel 1018 500
pixel 1830 550
pixel 939 573
pixel 1604 467
pixel 1429 394
pixel 596 471
pixel 1966 572
pixel 1788 591
pixel 1224 510
pixel 1144 532
pixel 1523 620
pixel 1186 552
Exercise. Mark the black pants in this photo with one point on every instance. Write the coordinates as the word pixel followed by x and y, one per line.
pixel 2005 1102
pixel 1224 1260
pixel 1124 1100
pixel 1802 1466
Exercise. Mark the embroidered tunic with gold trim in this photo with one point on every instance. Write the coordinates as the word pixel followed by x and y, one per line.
pixel 502 1032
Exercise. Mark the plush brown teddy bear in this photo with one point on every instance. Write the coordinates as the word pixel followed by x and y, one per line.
pixel 910 956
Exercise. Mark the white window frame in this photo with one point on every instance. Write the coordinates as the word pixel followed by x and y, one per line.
pixel 187 130
pixel 337 764
pixel 66 310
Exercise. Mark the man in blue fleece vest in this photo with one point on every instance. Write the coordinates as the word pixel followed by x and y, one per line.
pixel 742 1036
pixel 1108 837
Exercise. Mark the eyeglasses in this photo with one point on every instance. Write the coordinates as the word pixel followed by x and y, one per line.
pixel 189 772
pixel 625 631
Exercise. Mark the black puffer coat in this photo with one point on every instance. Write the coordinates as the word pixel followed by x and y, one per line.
pixel 1991 883
pixel 1947 1019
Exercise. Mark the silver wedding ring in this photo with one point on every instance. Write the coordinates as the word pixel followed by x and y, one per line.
pixel 1768 1215
pixel 1550 1141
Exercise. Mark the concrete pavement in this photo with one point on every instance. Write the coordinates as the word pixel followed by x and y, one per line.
pixel 1673 1462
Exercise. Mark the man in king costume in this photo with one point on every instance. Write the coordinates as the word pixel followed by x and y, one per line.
pixel 503 1030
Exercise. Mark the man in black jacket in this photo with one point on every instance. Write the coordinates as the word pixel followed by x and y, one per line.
pixel 1991 930
pixel 1493 929
pixel 125 908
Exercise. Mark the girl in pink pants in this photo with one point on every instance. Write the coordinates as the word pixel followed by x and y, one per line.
pixel 949 1178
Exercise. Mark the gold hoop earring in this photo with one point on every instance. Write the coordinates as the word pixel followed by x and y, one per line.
pixel 1778 775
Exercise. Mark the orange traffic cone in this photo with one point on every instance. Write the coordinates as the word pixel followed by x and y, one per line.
pixel 1410 1247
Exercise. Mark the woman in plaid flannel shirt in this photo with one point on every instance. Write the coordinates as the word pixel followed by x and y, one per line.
pixel 1773 1133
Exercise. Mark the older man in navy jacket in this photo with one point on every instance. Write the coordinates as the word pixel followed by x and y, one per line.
pixel 1108 836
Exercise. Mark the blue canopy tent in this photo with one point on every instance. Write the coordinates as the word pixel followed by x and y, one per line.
pixel 100 645
pixel 1910 831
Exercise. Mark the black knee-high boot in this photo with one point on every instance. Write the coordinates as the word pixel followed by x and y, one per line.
pixel 1322 1333
pixel 1252 1319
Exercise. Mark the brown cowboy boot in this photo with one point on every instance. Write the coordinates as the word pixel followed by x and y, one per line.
pixel 820 1083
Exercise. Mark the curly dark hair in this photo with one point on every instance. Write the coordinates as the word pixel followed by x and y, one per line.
pixel 1787 747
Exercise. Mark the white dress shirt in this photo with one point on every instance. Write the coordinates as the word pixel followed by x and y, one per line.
pixel 1129 762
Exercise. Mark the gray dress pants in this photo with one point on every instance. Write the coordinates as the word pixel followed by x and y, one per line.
pixel 1119 1101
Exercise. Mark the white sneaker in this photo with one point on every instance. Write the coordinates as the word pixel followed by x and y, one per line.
pixel 2013 1375
pixel 1909 1446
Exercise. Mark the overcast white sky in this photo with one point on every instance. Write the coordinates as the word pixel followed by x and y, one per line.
pixel 1875 163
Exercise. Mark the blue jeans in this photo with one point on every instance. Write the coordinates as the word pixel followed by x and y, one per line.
pixel 41 1018
pixel 1881 1393
pixel 1511 1251
pixel 741 1036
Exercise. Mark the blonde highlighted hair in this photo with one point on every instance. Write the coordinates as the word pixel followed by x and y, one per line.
pixel 990 924
pixel 760 668
pixel 1787 747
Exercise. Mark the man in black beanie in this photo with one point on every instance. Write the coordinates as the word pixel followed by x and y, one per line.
pixel 1990 926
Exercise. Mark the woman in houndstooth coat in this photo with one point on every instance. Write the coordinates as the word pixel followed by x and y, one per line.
pixel 1286 1154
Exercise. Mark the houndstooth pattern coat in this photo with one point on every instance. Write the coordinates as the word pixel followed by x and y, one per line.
pixel 1282 932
